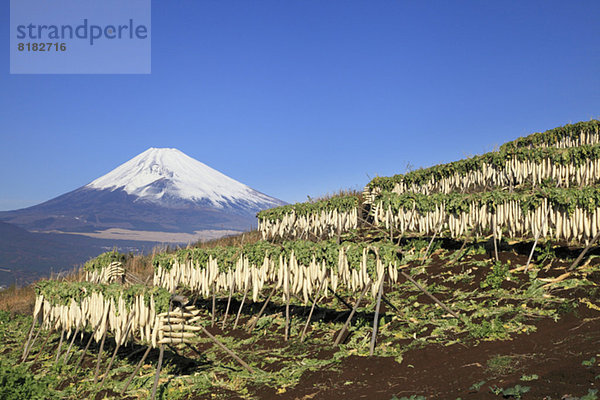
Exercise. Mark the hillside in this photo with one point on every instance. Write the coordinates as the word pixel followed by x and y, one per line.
pixel 26 257
pixel 429 285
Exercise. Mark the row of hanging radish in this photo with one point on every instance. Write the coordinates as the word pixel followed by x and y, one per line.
pixel 101 315
pixel 547 220
pixel 114 272
pixel 581 134
pixel 515 172
pixel 288 275
pixel 326 223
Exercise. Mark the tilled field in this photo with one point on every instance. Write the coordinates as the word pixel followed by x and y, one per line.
pixel 529 335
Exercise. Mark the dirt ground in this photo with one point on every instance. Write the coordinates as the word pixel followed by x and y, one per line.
pixel 554 362
pixel 554 353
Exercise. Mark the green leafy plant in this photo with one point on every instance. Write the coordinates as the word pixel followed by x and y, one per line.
pixel 529 378
pixel 515 392
pixel 589 363
pixel 545 253
pixel 476 386
pixel 18 383
pixel 339 203
pixel 497 274
pixel 501 365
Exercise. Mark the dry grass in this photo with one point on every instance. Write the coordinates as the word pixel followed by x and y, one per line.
pixel 18 300
pixel 234 240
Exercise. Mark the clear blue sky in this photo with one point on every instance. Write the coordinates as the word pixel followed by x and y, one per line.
pixel 299 97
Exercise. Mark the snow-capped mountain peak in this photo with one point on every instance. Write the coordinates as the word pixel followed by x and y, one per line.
pixel 163 175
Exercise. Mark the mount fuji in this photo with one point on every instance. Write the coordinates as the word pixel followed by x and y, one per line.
pixel 161 195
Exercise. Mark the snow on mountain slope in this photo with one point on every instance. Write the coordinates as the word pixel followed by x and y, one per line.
pixel 163 174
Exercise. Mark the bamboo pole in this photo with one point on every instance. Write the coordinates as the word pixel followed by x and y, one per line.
pixel 133 353
pixel 237 318
pixel 158 368
pixel 312 309
pixel 231 353
pixel 62 336
pixel 43 346
pixel 66 358
pixel 118 345
pixel 459 250
pixel 344 302
pixel 589 246
pixel 137 368
pixel 421 288
pixel 99 358
pixel 537 236
pixel 30 345
pixel 25 348
pixel 228 304
pixel 88 345
pixel 287 319
pixel 262 310
pixel 362 294
pixel 431 242
pixel 495 239
pixel 389 303
pixel 376 319
pixel 214 306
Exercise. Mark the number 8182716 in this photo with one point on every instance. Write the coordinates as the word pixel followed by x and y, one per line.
pixel 42 46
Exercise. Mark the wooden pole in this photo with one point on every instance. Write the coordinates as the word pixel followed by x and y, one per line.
pixel 431 242
pixel 133 353
pixel 386 301
pixel 118 345
pixel 312 309
pixel 88 345
pixel 376 319
pixel 344 302
pixel 262 310
pixel 537 236
pixel 373 226
pixel 193 349
pixel 495 239
pixel 99 358
pixel 287 318
pixel 531 253
pixel 137 368
pixel 459 250
pixel 158 368
pixel 62 336
pixel 421 288
pixel 43 346
pixel 214 306
pixel 231 353
pixel 28 348
pixel 339 337
pixel 66 358
pixel 590 244
pixel 228 304
pixel 237 318
pixel 25 348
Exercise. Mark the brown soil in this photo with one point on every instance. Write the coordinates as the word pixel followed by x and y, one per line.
pixel 554 353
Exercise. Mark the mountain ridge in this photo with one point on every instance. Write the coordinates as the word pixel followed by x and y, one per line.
pixel 158 190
